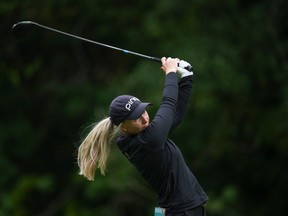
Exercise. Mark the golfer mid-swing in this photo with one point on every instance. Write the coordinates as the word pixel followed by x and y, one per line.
pixel 146 146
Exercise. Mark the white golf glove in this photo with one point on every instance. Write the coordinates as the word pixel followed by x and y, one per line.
pixel 184 69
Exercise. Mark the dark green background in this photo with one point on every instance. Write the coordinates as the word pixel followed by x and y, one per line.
pixel 53 88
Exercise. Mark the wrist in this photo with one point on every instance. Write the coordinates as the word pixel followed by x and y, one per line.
pixel 170 71
pixel 188 73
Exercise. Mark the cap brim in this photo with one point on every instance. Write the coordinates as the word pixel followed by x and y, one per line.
pixel 138 111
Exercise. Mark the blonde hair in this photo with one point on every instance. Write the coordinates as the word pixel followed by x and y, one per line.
pixel 94 150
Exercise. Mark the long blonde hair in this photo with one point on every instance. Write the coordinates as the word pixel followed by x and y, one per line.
pixel 94 150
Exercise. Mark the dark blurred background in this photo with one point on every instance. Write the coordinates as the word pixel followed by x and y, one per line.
pixel 53 88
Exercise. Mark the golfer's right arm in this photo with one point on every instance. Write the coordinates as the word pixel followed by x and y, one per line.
pixel 157 132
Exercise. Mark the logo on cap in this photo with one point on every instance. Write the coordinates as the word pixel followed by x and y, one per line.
pixel 130 103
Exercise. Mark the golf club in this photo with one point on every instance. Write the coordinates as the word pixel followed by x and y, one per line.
pixel 20 29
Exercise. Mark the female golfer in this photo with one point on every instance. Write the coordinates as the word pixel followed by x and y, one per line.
pixel 146 146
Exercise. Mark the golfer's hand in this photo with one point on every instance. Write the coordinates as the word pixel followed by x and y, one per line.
pixel 182 69
pixel 169 65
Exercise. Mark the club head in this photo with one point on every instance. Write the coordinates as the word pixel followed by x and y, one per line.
pixel 21 29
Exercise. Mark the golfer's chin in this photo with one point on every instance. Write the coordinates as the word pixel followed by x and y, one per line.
pixel 145 126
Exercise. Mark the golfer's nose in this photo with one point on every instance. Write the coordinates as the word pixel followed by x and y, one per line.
pixel 144 119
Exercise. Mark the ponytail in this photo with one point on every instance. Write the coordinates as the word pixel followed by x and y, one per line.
pixel 94 150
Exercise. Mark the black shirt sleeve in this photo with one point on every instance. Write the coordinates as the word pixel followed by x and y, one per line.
pixel 185 86
pixel 156 133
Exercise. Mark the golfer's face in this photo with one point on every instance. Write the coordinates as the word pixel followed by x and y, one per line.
pixel 137 125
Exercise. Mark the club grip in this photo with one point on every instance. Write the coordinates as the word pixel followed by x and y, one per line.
pixel 156 59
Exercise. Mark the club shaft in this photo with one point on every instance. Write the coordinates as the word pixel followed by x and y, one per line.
pixel 89 41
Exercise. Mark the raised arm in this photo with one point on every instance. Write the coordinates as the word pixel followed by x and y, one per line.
pixel 185 86
pixel 157 132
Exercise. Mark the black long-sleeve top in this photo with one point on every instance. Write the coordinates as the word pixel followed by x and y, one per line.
pixel 158 159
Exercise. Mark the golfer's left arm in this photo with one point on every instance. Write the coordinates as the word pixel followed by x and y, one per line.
pixel 185 86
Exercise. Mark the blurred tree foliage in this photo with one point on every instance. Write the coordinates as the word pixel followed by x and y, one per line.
pixel 53 88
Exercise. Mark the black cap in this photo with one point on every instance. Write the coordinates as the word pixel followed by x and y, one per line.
pixel 126 107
